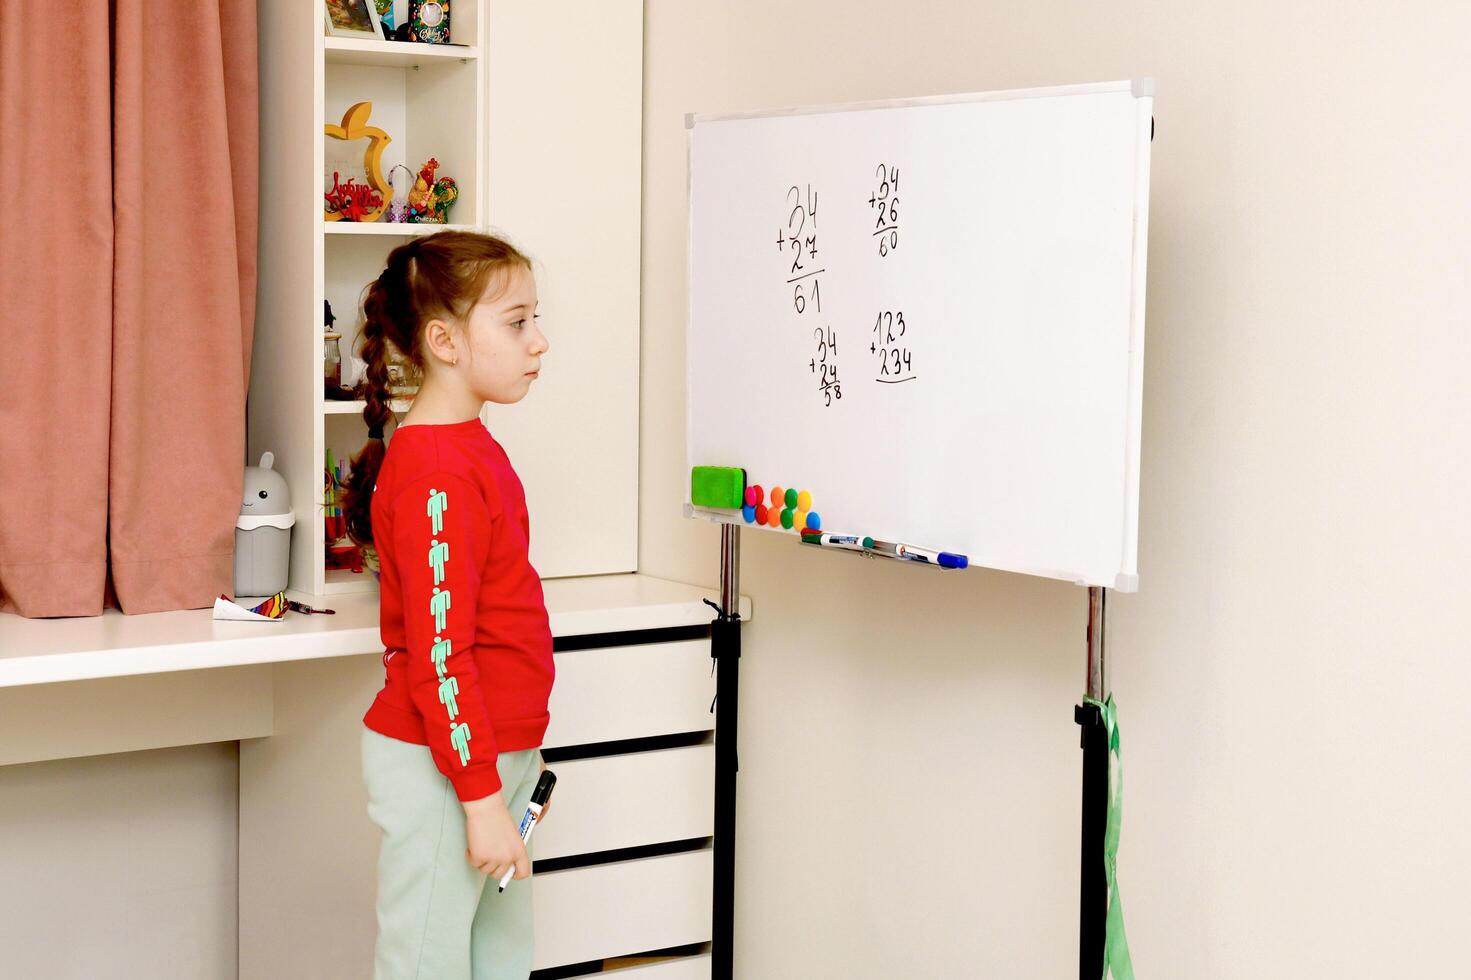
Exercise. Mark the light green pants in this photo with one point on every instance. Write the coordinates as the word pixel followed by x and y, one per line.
pixel 439 918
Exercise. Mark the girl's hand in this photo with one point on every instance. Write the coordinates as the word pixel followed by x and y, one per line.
pixel 494 844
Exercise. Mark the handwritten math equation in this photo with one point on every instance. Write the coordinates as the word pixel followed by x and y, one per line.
pixel 803 270
pixel 796 240
pixel 889 345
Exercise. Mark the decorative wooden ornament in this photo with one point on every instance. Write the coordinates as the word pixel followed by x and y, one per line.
pixel 355 127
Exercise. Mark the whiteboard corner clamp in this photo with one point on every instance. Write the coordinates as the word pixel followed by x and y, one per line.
pixel 1142 88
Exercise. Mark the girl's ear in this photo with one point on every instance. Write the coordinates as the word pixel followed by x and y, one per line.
pixel 439 340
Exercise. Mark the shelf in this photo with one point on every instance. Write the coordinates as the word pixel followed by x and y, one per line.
pixel 394 54
pixel 343 581
pixel 398 405
pixel 385 228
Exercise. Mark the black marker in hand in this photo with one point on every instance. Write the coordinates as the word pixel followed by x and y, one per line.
pixel 539 798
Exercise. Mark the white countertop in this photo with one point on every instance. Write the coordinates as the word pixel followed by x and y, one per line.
pixel 43 651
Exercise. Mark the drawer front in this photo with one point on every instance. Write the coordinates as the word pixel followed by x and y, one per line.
pixel 685 968
pixel 611 693
pixel 623 908
pixel 629 800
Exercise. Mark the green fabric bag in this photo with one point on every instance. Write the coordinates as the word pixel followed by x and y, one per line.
pixel 1116 962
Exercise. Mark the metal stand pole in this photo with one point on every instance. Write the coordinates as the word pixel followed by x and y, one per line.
pixel 725 647
pixel 1093 895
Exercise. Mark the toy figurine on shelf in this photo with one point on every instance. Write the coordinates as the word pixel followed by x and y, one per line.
pixel 430 200
pixel 419 194
pixel 398 207
pixel 351 201
pixel 445 193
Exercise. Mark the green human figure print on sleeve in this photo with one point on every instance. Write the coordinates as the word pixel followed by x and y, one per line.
pixel 442 557
pixel 439 607
pixel 438 555
pixel 438 504
pixel 459 737
pixel 448 688
pixel 440 652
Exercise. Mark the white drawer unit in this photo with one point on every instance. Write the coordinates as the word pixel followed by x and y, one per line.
pixel 629 800
pixel 607 694
pixel 626 907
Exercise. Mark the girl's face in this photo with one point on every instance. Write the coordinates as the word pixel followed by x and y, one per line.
pixel 505 346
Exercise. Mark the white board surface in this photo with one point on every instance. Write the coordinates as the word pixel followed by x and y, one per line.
pixel 1000 418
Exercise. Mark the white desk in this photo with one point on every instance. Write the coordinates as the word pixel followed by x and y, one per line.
pixel 42 651
pixel 293 694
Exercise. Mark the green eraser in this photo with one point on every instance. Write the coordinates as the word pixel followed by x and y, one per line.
pixel 718 486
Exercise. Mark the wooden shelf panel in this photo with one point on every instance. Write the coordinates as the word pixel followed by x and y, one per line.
pixel 398 405
pixel 385 228
pixel 394 54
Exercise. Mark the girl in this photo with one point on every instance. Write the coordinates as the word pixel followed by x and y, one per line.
pixel 451 747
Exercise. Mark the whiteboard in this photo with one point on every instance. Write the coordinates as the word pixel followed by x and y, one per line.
pixel 951 357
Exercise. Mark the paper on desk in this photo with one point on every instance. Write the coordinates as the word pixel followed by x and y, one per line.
pixel 273 610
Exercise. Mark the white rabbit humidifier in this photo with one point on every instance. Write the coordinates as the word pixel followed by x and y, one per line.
pixel 263 532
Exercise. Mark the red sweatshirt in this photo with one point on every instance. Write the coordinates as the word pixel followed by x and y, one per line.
pixel 468 649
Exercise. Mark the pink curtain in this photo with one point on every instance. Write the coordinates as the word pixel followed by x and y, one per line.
pixel 127 303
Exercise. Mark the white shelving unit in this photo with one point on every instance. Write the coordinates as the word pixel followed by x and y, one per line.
pixel 540 156
pixel 430 99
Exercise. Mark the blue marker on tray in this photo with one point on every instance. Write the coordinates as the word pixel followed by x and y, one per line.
pixel 942 558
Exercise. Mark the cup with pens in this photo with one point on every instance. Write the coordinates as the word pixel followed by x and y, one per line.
pixel 341 554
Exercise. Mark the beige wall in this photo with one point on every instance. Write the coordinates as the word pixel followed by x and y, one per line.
pixel 119 866
pixel 1292 675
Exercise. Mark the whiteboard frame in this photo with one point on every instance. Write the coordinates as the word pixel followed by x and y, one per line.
pixel 1127 578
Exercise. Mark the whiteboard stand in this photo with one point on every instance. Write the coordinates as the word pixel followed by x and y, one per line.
pixel 725 649
pixel 1093 881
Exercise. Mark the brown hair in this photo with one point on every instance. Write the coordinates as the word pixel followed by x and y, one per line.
pixel 438 276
